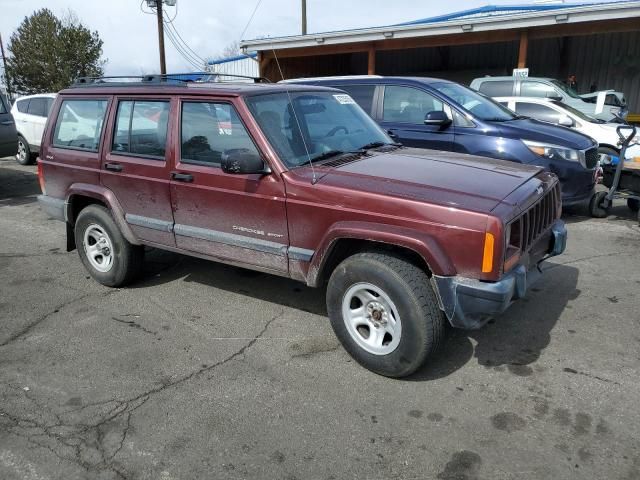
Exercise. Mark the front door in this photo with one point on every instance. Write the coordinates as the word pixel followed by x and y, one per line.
pixel 136 165
pixel 235 218
pixel 403 112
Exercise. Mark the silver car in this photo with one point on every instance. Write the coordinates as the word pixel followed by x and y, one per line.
pixel 544 88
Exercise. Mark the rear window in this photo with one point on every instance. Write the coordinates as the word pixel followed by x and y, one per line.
pixel 362 94
pixel 79 124
pixel 141 128
pixel 22 105
pixel 497 88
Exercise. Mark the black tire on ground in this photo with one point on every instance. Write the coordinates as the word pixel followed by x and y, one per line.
pixel 633 204
pixel 409 289
pixel 24 155
pixel 126 259
pixel 596 208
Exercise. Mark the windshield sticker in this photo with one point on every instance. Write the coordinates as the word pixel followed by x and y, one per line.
pixel 344 99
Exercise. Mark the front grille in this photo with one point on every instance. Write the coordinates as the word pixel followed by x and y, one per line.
pixel 527 229
pixel 591 158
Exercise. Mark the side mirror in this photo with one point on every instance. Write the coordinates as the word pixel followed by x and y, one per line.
pixel 553 96
pixel 243 161
pixel 565 121
pixel 437 119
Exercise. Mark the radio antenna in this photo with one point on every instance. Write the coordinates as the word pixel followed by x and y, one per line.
pixel 295 115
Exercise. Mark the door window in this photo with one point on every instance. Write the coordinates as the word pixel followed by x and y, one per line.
pixel 497 88
pixel 408 105
pixel 79 124
pixel 537 89
pixel 37 107
pixel 362 94
pixel 537 111
pixel 141 128
pixel 210 129
pixel 3 109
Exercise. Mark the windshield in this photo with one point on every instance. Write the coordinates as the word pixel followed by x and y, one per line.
pixel 576 112
pixel 304 126
pixel 475 103
pixel 566 89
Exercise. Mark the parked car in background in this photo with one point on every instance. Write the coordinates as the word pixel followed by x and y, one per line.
pixel 301 183
pixel 8 133
pixel 443 115
pixel 544 88
pixel 558 113
pixel 30 114
pixel 611 98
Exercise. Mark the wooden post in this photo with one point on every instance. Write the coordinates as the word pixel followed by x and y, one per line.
pixel 522 51
pixel 371 68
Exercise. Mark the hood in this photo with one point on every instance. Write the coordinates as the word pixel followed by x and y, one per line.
pixel 444 178
pixel 529 129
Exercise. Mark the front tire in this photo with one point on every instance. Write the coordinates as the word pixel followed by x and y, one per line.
pixel 106 254
pixel 24 155
pixel 385 313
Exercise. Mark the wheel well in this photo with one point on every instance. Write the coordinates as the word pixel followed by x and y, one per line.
pixel 345 247
pixel 604 145
pixel 77 203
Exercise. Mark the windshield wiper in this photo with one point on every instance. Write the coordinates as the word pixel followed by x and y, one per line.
pixel 331 154
pixel 379 144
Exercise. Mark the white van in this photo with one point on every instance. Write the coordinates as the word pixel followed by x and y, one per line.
pixel 30 114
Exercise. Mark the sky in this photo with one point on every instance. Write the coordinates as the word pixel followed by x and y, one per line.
pixel 207 26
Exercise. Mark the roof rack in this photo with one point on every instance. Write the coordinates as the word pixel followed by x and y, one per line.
pixel 162 79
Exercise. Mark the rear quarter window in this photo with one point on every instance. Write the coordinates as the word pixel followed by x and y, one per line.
pixel 497 88
pixel 22 105
pixel 79 124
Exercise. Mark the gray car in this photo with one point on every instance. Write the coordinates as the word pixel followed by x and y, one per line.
pixel 8 133
pixel 544 88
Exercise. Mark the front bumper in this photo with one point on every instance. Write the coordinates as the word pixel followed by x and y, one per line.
pixel 470 303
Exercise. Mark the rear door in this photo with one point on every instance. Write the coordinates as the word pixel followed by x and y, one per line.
pixel 136 164
pixel 237 218
pixel 402 115
pixel 35 119
pixel 8 134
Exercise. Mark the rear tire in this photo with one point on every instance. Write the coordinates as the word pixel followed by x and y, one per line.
pixel 106 254
pixel 633 204
pixel 24 155
pixel 596 208
pixel 385 313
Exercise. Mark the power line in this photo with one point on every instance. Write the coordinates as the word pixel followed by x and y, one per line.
pixel 183 42
pixel 250 18
pixel 182 53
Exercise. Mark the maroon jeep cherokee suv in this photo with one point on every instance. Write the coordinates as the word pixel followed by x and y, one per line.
pixel 298 181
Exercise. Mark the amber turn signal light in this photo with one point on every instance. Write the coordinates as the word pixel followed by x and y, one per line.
pixel 487 257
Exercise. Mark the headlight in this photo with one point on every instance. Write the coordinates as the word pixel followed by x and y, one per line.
pixel 553 152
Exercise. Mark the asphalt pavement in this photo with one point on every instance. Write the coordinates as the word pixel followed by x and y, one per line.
pixel 204 371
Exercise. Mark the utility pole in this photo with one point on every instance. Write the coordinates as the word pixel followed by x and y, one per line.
pixel 304 17
pixel 163 64
pixel 6 75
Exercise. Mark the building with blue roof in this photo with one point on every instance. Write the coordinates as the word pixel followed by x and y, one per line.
pixel 599 42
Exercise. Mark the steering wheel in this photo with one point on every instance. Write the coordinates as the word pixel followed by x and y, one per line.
pixel 335 130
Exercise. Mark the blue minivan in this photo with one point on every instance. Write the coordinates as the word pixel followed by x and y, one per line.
pixel 443 115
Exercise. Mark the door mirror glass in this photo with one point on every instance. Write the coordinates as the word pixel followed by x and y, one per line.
pixel 242 161
pixel 553 96
pixel 565 121
pixel 437 118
